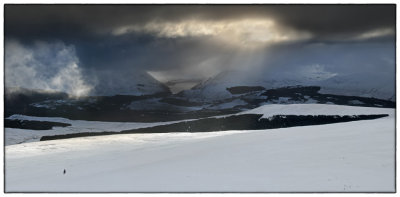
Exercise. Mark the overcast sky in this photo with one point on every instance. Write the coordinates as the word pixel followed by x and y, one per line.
pixel 67 47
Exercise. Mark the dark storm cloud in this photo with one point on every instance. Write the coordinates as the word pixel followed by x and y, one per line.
pixel 338 20
pixel 90 31
pixel 89 27
pixel 85 20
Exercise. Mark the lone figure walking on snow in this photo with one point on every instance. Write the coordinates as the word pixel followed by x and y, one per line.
pixel 64 171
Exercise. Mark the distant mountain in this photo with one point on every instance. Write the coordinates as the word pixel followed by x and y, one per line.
pixel 145 99
pixel 363 85
pixel 168 107
pixel 18 100
pixel 139 83
pixel 182 84
pixel 215 88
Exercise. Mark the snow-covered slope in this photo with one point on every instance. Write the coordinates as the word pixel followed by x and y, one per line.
pixel 316 109
pixel 365 85
pixel 354 156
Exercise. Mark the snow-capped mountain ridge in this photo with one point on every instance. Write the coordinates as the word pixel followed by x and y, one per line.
pixel 215 88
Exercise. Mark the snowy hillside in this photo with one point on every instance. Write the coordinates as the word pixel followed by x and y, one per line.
pixel 355 156
pixel 316 109
pixel 361 85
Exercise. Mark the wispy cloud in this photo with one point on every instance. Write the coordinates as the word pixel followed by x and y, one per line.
pixel 375 33
pixel 243 33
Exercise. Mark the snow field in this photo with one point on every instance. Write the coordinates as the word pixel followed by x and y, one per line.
pixel 343 157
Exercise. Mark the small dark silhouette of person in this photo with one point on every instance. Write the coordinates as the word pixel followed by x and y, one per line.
pixel 64 171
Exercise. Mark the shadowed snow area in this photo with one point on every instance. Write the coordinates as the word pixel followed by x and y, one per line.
pixel 353 156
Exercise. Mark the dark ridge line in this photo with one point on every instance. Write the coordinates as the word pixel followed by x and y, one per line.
pixel 33 124
pixel 235 122
pixel 244 89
